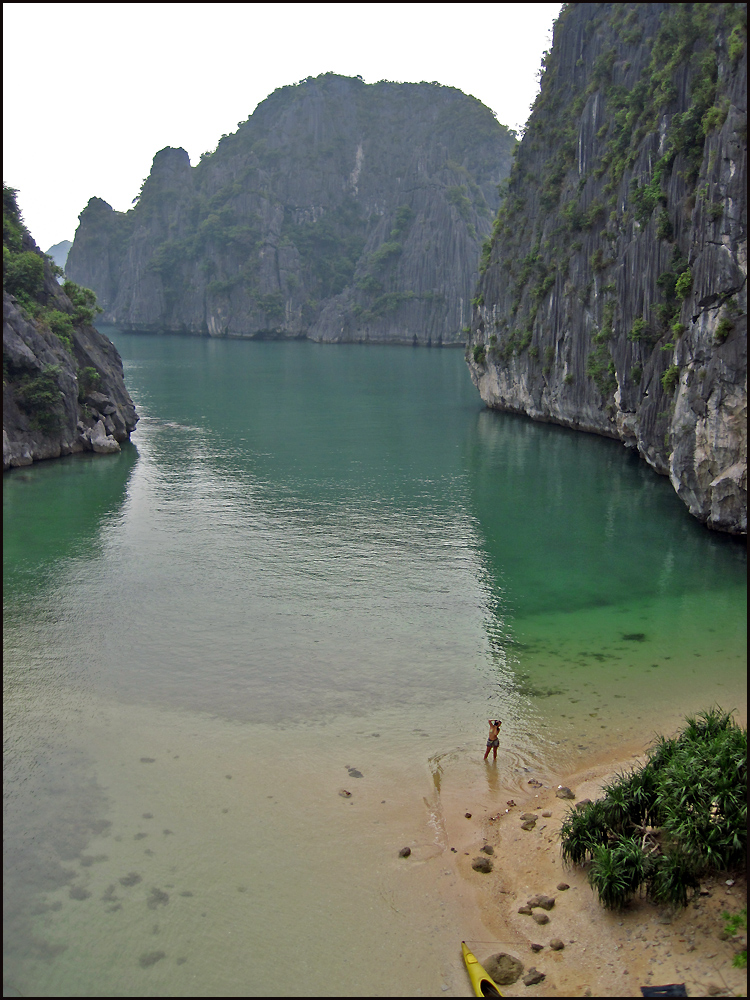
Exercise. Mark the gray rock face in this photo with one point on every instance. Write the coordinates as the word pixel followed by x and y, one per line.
pixel 338 211
pixel 613 298
pixel 101 442
pixel 43 416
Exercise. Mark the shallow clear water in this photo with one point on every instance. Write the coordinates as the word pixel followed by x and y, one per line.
pixel 312 563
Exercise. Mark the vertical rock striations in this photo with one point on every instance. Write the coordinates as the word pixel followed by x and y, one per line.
pixel 338 211
pixel 612 295
pixel 63 388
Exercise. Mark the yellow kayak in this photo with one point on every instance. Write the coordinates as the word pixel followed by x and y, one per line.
pixel 483 985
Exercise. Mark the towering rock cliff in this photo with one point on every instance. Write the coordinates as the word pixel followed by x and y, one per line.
pixel 613 290
pixel 63 388
pixel 338 211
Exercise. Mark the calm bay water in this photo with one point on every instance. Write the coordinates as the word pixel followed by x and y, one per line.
pixel 315 563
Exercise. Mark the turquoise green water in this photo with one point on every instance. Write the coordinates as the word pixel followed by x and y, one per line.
pixel 314 561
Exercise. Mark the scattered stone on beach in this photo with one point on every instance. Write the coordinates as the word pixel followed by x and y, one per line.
pixel 532 977
pixel 534 783
pixel 529 816
pixel 556 944
pixel 546 902
pixel 510 803
pixel 540 918
pixel 528 824
pixel 467 815
pixel 404 852
pixel 537 947
pixel 488 849
pixel 483 865
pixel 563 792
pixel 583 803
pixel 562 886
pixel 505 969
pixel 547 813
pixel 344 794
pixel 525 909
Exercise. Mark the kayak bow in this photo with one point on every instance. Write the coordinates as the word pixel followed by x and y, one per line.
pixel 483 985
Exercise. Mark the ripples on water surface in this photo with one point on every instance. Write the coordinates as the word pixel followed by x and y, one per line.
pixel 315 561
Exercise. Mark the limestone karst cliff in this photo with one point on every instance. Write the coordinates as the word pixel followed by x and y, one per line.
pixel 63 387
pixel 339 211
pixel 613 292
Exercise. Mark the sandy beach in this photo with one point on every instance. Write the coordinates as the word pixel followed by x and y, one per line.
pixel 604 954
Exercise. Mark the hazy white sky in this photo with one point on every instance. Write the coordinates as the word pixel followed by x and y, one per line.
pixel 92 91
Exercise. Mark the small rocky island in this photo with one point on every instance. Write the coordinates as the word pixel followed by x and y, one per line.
pixel 63 387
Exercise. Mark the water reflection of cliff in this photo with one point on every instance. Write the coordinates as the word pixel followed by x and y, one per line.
pixel 54 511
pixel 571 521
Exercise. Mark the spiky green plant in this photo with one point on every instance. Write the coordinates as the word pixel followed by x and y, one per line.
pixel 680 815
pixel 672 877
pixel 610 878
pixel 734 923
pixel 582 831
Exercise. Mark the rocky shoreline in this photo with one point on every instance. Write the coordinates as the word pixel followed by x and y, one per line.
pixel 545 934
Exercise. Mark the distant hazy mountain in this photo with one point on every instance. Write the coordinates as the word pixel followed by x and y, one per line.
pixel 59 252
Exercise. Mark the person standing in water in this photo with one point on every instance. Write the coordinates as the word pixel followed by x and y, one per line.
pixel 492 741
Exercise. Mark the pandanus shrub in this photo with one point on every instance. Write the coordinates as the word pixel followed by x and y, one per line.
pixel 681 815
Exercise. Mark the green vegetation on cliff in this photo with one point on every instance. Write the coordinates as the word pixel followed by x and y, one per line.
pixel 54 359
pixel 24 277
pixel 612 293
pixel 680 816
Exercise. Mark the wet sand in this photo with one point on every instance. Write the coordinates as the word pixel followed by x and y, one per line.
pixel 605 954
